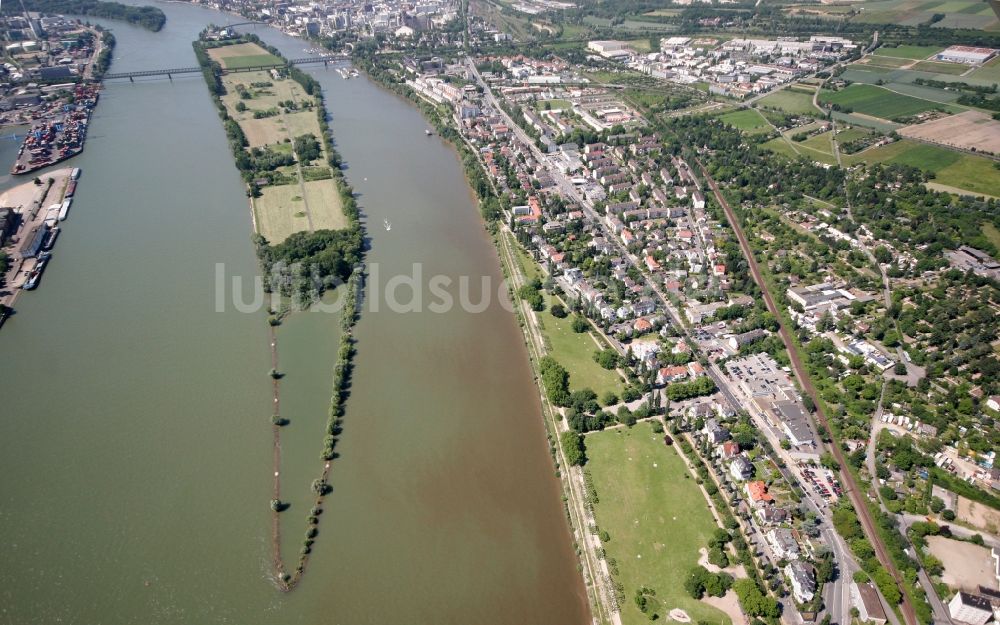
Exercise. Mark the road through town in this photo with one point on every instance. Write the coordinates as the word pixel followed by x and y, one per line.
pixel 856 496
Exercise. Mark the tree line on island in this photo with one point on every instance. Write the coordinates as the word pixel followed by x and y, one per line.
pixel 149 17
pixel 302 267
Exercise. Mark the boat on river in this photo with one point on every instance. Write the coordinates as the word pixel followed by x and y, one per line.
pixel 387 224
pixel 35 275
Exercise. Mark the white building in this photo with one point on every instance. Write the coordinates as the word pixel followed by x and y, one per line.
pixel 969 608
pixel 966 54
pixel 610 48
pixel 865 598
pixel 803 580
pixel 784 545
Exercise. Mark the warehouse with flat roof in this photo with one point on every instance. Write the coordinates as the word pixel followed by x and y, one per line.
pixel 966 54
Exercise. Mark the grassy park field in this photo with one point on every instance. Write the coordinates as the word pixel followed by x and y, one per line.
pixel 748 120
pixel 272 112
pixel 795 102
pixel 954 169
pixel 655 515
pixel 575 352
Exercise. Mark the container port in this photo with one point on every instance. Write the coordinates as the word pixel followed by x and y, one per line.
pixel 59 136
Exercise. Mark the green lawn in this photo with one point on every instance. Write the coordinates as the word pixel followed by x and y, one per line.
pixel 529 268
pixel 789 101
pixel 781 146
pixel 250 60
pixel 575 352
pixel 747 119
pixel 990 232
pixel 909 52
pixel 955 169
pixel 973 173
pixel 850 134
pixel 553 105
pixel 656 517
pixel 878 102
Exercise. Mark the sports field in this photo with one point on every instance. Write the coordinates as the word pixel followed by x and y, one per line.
pixel 242 55
pixel 795 102
pixel 908 52
pixel 879 102
pixel 656 517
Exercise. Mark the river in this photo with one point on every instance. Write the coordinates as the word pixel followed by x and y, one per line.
pixel 135 438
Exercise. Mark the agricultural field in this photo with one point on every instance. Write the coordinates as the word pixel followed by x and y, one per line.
pixel 990 71
pixel 939 67
pixel 748 120
pixel 795 102
pixel 656 517
pixel 867 122
pixel 974 14
pixel 242 55
pixel 879 102
pixel 292 202
pixel 575 352
pixel 968 130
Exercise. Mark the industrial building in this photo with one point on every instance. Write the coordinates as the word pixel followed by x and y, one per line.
pixel 966 54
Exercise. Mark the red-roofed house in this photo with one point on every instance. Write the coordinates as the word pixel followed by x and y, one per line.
pixel 670 374
pixel 730 449
pixel 757 491
pixel 642 325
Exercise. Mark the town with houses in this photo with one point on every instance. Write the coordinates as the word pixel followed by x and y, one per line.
pixel 626 233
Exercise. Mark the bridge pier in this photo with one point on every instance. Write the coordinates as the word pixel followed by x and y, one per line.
pixel 171 78
pixel 130 79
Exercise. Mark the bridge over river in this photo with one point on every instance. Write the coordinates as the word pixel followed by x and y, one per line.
pixel 170 72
